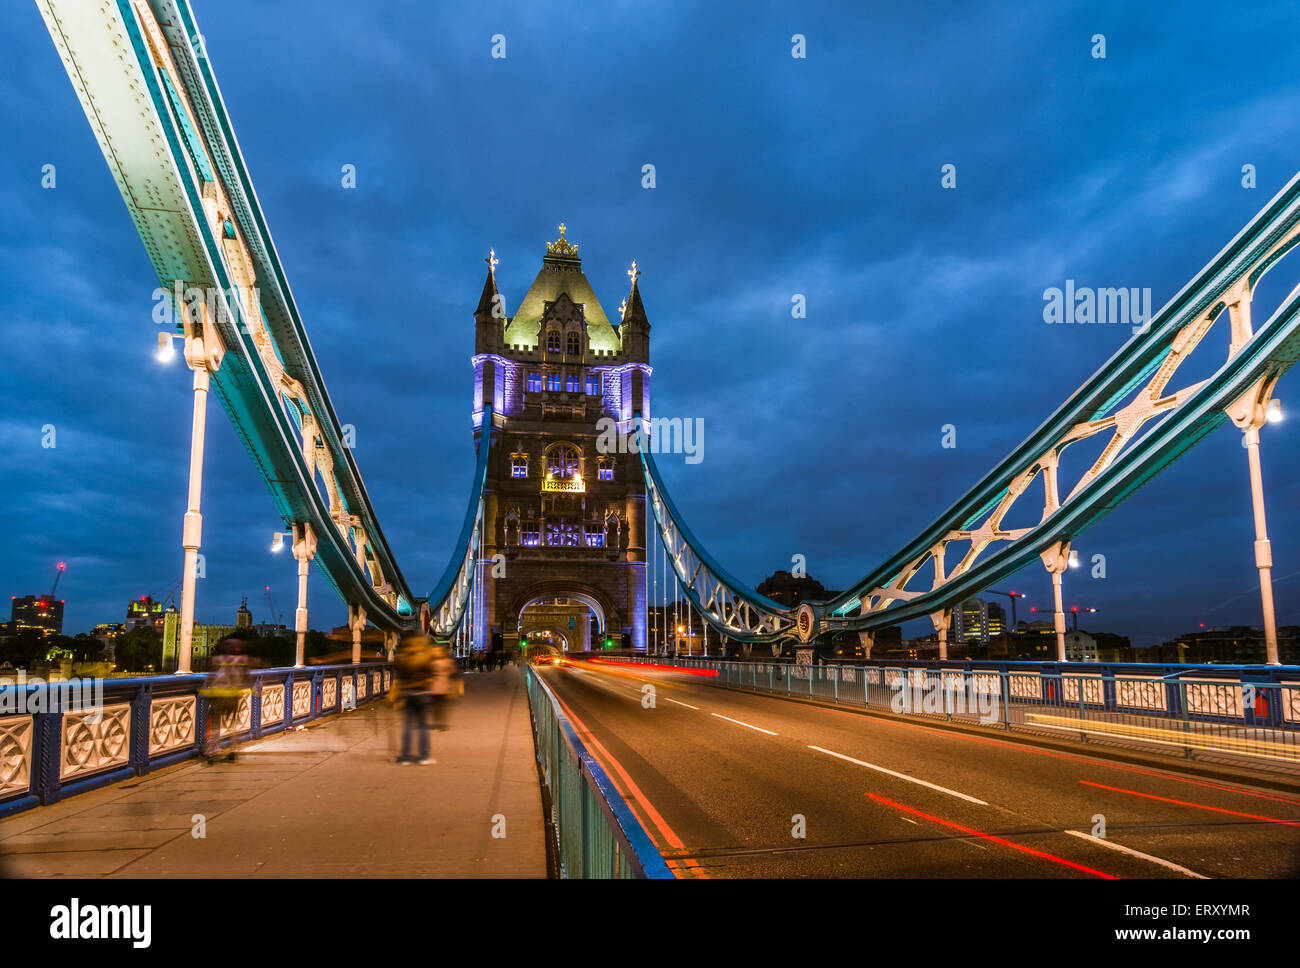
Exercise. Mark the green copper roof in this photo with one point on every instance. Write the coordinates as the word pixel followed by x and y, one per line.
pixel 561 275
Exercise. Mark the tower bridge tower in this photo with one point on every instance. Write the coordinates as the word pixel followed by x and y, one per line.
pixel 564 514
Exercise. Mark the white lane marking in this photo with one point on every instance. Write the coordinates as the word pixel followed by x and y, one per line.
pixel 746 725
pixel 902 776
pixel 1136 853
pixel 680 703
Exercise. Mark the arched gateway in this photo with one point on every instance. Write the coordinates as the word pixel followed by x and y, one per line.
pixel 563 520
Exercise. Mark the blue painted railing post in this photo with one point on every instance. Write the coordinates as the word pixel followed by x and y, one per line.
pixel 48 757
pixel 141 706
pixel 255 709
pixel 202 712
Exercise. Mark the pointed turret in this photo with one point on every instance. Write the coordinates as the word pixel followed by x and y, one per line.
pixel 490 316
pixel 634 331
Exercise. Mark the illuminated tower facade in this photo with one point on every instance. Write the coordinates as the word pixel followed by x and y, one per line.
pixel 564 513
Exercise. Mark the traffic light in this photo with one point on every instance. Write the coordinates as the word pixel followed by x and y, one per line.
pixel 609 643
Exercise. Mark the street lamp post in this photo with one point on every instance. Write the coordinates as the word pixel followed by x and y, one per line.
pixel 304 550
pixel 1056 559
pixel 1249 414
pixel 203 354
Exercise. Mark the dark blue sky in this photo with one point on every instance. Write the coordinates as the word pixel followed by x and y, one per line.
pixel 775 176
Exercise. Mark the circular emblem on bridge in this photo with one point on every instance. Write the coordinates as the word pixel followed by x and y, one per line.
pixel 805 622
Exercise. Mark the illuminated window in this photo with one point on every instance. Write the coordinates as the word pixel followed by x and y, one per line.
pixel 534 382
pixel 553 382
pixel 571 383
pixel 530 538
pixel 518 465
pixel 606 469
pixel 561 532
pixel 593 384
pixel 552 342
pixel 574 344
pixel 562 462
pixel 595 539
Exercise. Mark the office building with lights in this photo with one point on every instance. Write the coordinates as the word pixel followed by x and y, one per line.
pixel 39 613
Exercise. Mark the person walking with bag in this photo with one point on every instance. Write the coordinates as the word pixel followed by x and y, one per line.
pixel 446 685
pixel 413 689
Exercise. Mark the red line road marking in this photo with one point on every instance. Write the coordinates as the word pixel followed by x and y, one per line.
pixel 1186 803
pixel 996 840
pixel 670 837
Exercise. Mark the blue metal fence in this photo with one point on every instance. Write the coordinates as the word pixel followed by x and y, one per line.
pixel 596 833
pixel 62 738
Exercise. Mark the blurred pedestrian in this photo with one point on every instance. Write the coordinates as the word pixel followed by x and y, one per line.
pixel 447 684
pixel 227 683
pixel 412 692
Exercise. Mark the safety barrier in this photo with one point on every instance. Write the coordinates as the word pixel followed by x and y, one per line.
pixel 1241 713
pixel 65 737
pixel 596 833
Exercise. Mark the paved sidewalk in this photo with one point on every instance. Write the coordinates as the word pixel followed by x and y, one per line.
pixel 323 801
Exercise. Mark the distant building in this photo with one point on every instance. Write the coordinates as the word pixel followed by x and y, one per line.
pixel 36 612
pixel 1080 647
pixel 975 621
pixel 1226 645
pixel 203 640
pixel 144 612
pixel 790 590
pixel 107 634
pixel 243 616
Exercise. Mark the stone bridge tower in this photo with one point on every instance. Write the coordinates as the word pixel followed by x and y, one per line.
pixel 564 522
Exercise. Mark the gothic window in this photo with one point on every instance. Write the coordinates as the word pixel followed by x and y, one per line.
pixel 530 537
pixel 534 381
pixel 553 383
pixel 562 462
pixel 612 526
pixel 595 536
pixel 572 384
pixel 593 384
pixel 512 528
pixel 606 469
pixel 561 532
pixel 518 465
pixel 552 342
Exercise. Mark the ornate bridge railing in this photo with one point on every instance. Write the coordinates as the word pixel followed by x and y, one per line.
pixel 62 738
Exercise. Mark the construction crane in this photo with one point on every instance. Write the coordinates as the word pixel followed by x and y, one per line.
pixel 58 573
pixel 1013 595
pixel 275 620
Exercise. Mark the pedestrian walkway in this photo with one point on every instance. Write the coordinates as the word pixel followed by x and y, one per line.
pixel 326 800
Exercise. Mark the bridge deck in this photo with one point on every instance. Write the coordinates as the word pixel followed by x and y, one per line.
pixel 323 801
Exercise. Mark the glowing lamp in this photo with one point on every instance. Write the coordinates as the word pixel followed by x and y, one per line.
pixel 165 349
pixel 1274 412
pixel 277 541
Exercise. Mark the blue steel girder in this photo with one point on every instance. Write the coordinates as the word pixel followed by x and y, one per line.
pixel 446 605
pixel 1148 433
pixel 144 81
pixel 730 606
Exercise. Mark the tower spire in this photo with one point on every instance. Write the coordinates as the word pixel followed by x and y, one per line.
pixel 489 300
